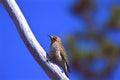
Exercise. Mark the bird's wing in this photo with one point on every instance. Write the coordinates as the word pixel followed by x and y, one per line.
pixel 64 56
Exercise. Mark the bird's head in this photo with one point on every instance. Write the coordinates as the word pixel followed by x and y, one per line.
pixel 55 39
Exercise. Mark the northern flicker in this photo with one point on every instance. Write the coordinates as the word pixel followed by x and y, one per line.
pixel 57 54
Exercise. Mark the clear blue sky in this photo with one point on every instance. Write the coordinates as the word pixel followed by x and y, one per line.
pixel 44 17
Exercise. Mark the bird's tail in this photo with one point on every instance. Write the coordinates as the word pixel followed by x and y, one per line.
pixel 65 70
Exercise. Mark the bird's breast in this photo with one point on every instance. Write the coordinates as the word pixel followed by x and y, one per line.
pixel 54 53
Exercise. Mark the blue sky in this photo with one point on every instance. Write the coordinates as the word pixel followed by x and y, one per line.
pixel 44 17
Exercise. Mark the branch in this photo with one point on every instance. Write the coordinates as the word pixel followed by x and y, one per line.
pixel 30 41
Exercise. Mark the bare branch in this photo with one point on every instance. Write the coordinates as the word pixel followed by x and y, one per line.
pixel 30 41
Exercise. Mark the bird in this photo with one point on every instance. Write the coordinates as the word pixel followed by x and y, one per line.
pixel 57 54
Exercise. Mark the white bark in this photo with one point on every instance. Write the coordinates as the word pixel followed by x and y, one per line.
pixel 30 41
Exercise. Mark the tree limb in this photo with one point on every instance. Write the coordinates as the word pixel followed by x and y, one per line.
pixel 30 41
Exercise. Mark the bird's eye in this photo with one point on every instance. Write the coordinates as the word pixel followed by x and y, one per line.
pixel 54 39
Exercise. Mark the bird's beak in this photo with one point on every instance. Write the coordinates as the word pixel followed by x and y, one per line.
pixel 50 36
